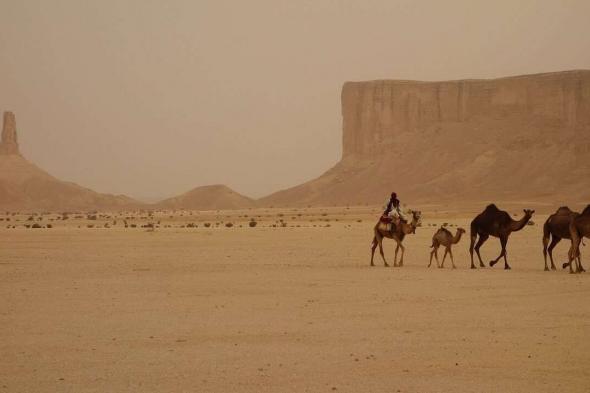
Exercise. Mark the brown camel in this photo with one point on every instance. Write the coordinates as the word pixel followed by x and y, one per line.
pixel 556 227
pixel 398 234
pixel 579 228
pixel 497 223
pixel 445 238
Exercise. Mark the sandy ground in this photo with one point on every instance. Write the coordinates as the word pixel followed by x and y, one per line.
pixel 281 309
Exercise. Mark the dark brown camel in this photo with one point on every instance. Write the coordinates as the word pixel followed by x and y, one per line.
pixel 497 223
pixel 556 227
pixel 398 234
pixel 579 228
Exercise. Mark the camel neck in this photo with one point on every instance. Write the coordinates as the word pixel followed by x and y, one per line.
pixel 518 225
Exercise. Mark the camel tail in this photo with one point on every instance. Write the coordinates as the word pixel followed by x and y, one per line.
pixel 374 241
pixel 473 229
pixel 546 231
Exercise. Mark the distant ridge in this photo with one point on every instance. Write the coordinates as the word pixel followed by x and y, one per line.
pixel 26 187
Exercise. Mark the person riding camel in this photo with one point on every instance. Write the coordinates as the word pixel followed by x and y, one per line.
pixel 393 213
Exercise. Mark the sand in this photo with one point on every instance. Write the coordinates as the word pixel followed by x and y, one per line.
pixel 280 309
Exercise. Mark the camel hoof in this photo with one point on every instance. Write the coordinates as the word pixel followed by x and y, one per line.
pixel 582 270
pixel 565 265
pixel 546 269
pixel 454 267
pixel 492 263
pixel 507 268
pixel 553 267
pixel 473 267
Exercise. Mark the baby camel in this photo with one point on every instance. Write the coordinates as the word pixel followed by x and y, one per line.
pixel 445 238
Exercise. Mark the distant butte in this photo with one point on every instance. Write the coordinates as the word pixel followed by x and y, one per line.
pixel 515 138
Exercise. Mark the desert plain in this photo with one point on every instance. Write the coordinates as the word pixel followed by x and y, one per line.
pixel 168 304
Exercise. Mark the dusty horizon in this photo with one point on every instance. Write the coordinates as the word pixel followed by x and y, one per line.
pixel 152 100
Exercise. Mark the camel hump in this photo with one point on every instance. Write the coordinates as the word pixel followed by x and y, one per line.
pixel 563 210
pixel 444 230
pixel 586 211
pixel 492 208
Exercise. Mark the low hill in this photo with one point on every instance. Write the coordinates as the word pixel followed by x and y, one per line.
pixel 213 197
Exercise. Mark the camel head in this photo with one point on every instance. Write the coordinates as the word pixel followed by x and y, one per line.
pixel 528 213
pixel 416 219
pixel 460 230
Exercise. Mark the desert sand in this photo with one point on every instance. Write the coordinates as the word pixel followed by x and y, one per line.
pixel 290 307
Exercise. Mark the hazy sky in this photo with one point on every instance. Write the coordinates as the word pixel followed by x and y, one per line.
pixel 153 98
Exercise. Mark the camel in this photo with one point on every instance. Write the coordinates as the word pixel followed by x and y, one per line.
pixel 556 227
pixel 579 228
pixel 497 223
pixel 398 234
pixel 444 237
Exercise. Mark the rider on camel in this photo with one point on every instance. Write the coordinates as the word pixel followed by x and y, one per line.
pixel 392 213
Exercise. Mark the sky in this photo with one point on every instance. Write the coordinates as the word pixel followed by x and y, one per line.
pixel 153 98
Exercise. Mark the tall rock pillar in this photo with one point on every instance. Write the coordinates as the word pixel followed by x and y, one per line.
pixel 9 142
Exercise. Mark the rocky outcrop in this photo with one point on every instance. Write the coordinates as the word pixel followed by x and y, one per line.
pixel 515 138
pixel 9 142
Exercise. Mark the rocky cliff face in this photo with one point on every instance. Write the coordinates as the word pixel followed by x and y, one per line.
pixel 515 138
pixel 9 142
pixel 375 112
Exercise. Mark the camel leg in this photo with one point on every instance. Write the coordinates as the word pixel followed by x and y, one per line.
pixel 436 256
pixel 395 257
pixel 442 265
pixel 505 252
pixel 473 237
pixel 579 268
pixel 571 257
pixel 431 255
pixel 373 247
pixel 574 254
pixel 503 241
pixel 554 242
pixel 452 260
pixel 545 242
pixel 480 242
pixel 381 252
pixel 401 260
